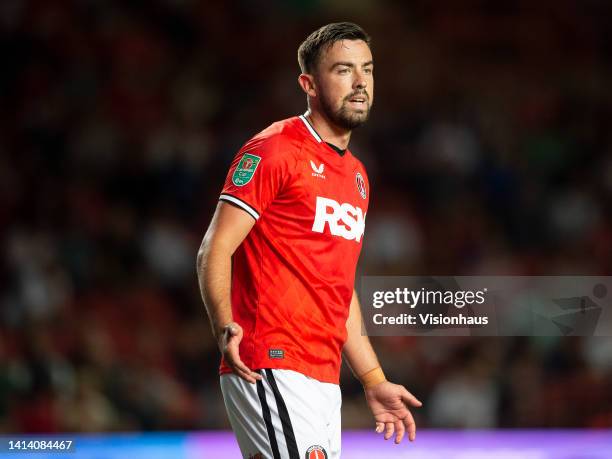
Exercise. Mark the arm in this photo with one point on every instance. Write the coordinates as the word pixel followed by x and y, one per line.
pixel 357 349
pixel 387 401
pixel 227 230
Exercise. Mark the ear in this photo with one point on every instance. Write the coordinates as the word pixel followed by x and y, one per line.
pixel 306 81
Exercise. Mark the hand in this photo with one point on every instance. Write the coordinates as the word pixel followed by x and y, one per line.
pixel 388 403
pixel 229 345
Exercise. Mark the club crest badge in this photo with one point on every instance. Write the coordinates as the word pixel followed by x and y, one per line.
pixel 316 452
pixel 245 169
pixel 361 186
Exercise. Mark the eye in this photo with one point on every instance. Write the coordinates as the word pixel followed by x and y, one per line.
pixel 368 70
pixel 343 70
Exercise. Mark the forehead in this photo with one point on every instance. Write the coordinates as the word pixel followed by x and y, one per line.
pixel 354 51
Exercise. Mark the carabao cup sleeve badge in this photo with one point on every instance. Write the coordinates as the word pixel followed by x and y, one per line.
pixel 245 169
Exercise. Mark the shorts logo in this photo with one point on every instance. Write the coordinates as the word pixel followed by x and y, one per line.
pixel 245 169
pixel 316 452
pixel 361 187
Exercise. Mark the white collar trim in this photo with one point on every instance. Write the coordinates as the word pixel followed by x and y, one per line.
pixel 309 126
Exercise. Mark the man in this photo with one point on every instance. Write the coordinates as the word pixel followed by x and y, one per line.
pixel 277 266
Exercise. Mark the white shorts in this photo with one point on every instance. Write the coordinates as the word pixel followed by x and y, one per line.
pixel 287 415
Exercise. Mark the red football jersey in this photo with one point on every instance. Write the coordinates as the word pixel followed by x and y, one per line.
pixel 293 275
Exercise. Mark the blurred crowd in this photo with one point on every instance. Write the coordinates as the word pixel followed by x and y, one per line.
pixel 489 151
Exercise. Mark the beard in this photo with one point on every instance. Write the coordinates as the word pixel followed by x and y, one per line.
pixel 344 116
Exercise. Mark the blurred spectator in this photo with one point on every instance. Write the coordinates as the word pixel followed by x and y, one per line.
pixel 467 396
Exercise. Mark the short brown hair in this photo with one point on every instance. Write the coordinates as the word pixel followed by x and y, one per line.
pixel 310 49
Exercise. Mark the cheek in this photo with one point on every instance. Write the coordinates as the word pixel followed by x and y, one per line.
pixel 335 92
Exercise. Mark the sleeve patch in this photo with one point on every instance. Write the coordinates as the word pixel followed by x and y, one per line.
pixel 245 169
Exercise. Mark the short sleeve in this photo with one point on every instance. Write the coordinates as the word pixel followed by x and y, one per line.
pixel 257 174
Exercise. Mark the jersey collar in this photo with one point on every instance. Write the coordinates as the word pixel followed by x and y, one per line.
pixel 310 128
pixel 317 136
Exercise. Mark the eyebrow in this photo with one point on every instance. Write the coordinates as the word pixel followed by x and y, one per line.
pixel 350 64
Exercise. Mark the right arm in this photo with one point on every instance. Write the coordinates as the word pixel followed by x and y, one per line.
pixel 228 228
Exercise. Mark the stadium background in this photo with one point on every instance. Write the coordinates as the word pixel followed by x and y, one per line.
pixel 489 151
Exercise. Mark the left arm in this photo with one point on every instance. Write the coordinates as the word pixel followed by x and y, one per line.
pixel 388 402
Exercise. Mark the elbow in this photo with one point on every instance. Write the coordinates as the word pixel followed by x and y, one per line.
pixel 212 251
pixel 199 260
pixel 202 255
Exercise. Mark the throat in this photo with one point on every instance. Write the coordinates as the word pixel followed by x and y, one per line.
pixel 338 150
pixel 328 131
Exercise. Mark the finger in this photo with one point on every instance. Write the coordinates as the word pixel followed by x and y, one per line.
pixel 399 431
pixel 410 399
pixel 246 376
pixel 251 375
pixel 410 426
pixel 256 376
pixel 380 426
pixel 232 357
pixel 236 364
pixel 388 430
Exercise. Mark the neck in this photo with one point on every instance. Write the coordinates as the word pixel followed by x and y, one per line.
pixel 327 130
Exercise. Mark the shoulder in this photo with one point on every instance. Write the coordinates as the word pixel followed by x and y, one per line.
pixel 280 140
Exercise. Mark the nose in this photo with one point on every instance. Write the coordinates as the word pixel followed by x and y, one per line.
pixel 360 81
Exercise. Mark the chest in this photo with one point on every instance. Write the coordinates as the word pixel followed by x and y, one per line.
pixel 329 196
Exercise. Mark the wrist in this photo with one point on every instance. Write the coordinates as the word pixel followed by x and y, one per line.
pixel 372 378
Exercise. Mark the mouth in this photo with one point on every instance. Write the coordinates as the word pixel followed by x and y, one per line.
pixel 359 101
